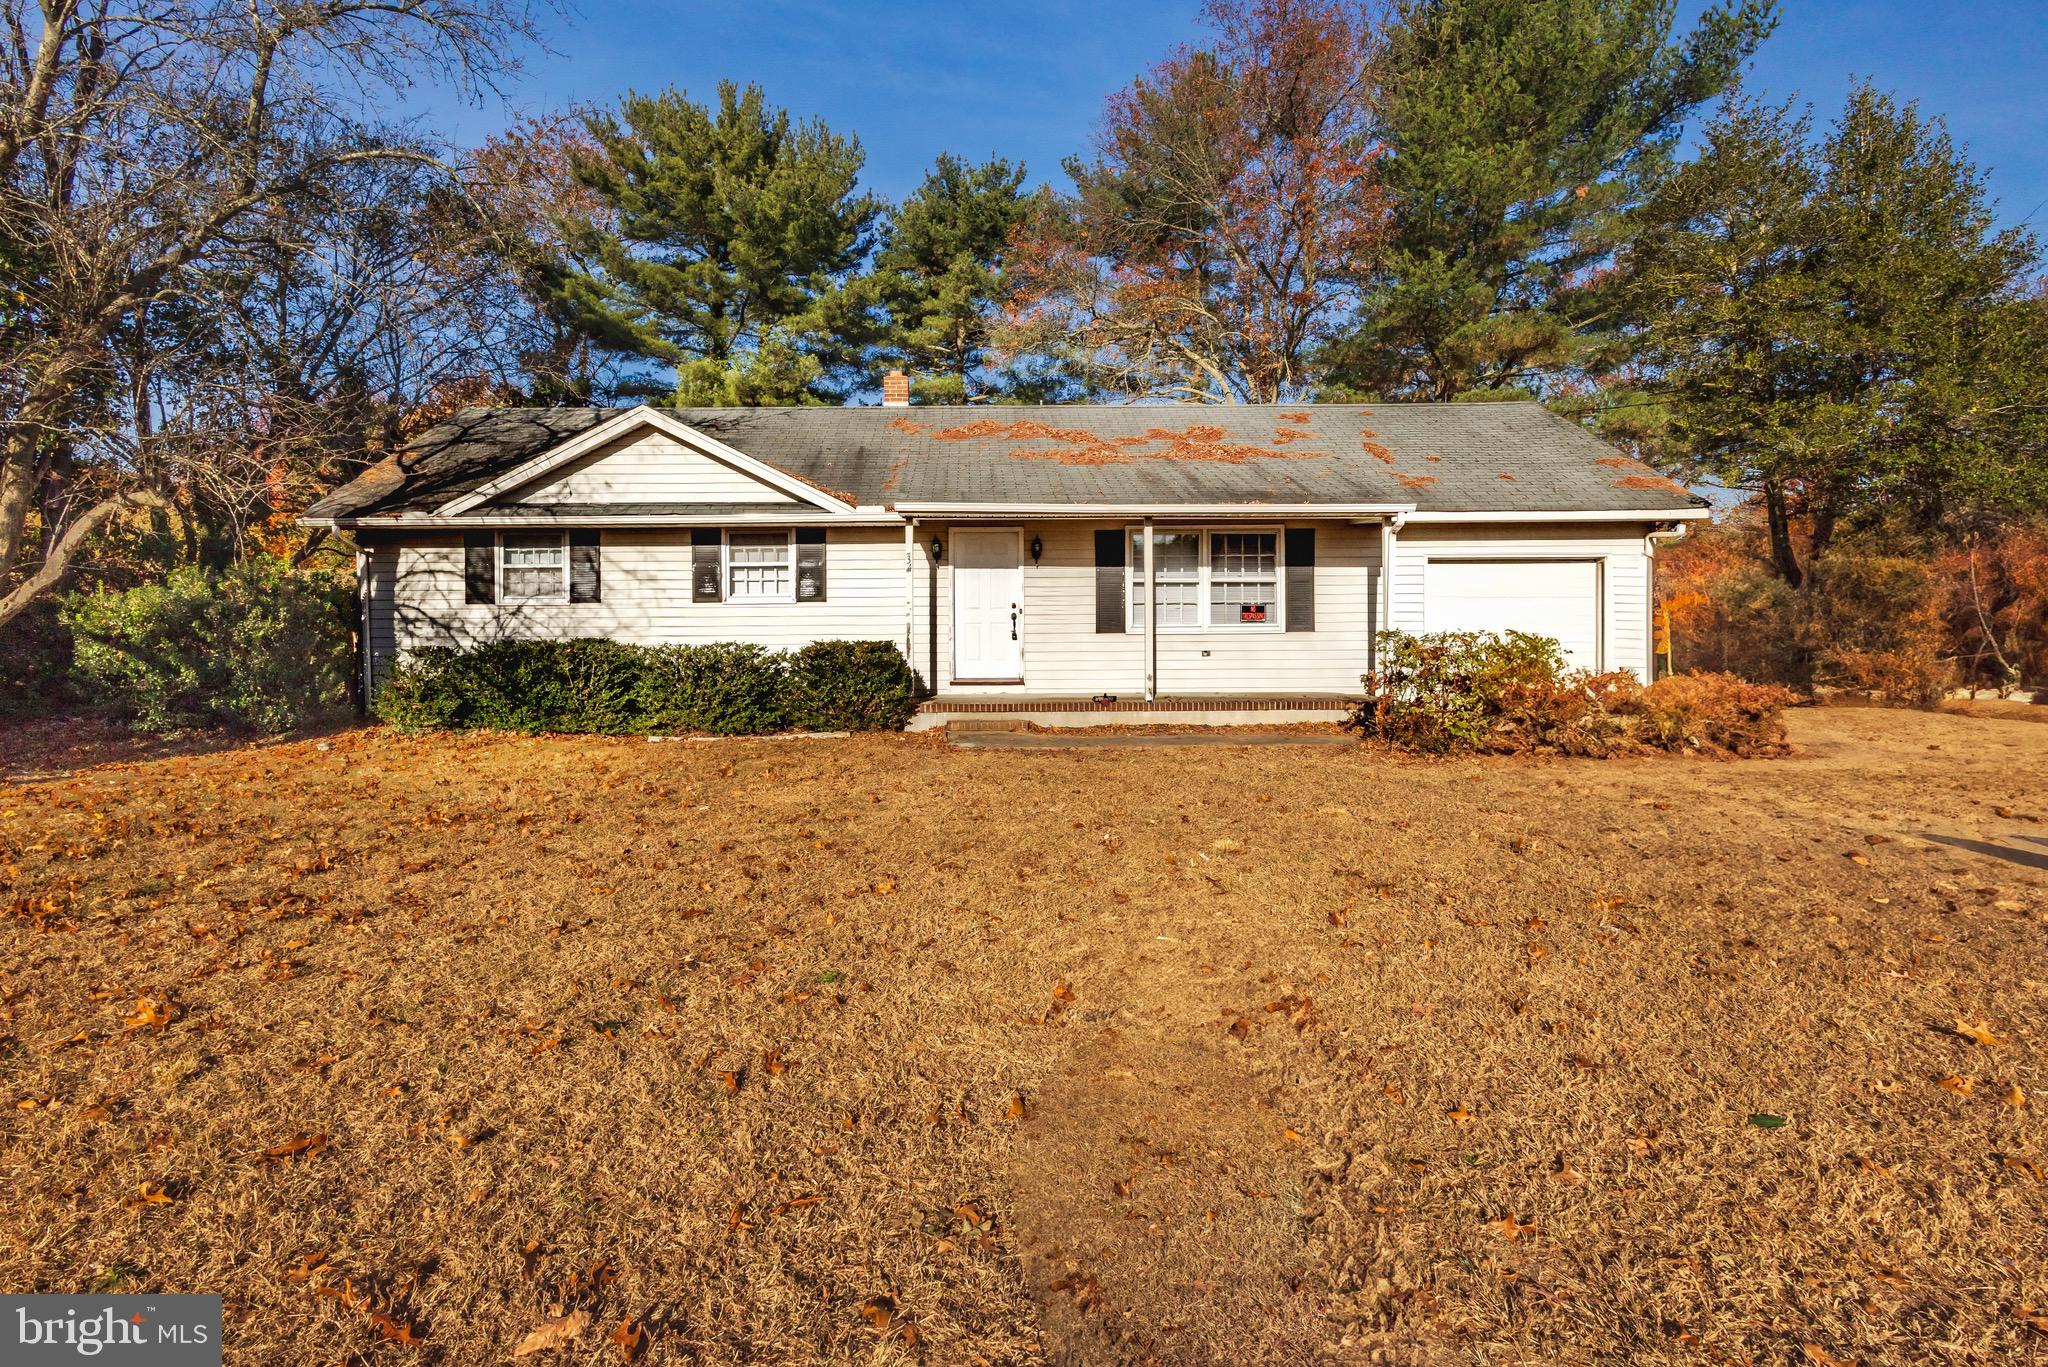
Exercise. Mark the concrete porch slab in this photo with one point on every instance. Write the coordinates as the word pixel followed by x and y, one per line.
pixel 1081 740
pixel 961 712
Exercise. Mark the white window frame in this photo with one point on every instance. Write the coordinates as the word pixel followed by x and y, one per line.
pixel 788 535
pixel 1134 577
pixel 506 596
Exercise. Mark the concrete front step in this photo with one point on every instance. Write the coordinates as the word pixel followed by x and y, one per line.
pixel 961 715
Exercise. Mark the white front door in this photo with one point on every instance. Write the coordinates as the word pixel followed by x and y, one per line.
pixel 988 605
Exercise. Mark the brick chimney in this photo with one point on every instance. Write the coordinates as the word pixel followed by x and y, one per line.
pixel 895 390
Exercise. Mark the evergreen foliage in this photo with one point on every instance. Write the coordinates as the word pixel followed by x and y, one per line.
pixel 734 234
pixel 1835 326
pixel 1519 131
pixel 610 688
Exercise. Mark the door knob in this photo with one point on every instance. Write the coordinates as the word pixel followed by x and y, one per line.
pixel 1013 621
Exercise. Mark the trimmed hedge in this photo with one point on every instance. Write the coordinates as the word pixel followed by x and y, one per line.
pixel 609 688
pixel 1507 693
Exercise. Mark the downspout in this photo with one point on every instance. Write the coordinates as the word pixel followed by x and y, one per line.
pixel 1151 622
pixel 1390 530
pixel 1675 532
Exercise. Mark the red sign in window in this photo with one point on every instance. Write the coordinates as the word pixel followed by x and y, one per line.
pixel 1251 612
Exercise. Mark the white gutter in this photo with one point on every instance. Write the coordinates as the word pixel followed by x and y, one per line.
pixel 1574 515
pixel 1657 534
pixel 437 521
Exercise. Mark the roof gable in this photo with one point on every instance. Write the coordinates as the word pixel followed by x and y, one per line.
pixel 643 455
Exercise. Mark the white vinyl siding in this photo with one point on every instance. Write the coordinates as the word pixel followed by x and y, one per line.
pixel 1616 548
pixel 648 467
pixel 380 604
pixel 1065 656
pixel 646 576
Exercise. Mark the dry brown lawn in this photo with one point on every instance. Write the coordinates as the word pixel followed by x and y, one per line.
pixel 878 1051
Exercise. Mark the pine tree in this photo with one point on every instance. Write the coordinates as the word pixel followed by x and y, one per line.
pixel 939 279
pixel 1519 130
pixel 734 236
pixel 1835 326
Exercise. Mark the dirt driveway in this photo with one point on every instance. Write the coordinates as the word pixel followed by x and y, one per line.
pixel 877 1051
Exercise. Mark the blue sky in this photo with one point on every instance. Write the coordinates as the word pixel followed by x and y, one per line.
pixel 915 78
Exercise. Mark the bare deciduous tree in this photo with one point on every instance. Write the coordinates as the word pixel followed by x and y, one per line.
pixel 148 160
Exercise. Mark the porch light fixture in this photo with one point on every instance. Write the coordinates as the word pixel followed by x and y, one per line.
pixel 1037 549
pixel 938 549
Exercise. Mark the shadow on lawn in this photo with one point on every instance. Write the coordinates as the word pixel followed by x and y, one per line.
pixel 2028 859
pixel 51 748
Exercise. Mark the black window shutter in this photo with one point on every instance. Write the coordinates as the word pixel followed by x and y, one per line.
pixel 1301 579
pixel 586 579
pixel 707 570
pixel 1109 581
pixel 479 567
pixel 810 564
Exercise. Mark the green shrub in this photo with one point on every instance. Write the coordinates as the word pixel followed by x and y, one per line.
pixel 1511 693
pixel 419 694
pixel 259 646
pixel 727 689
pixel 849 686
pixel 1447 691
pixel 609 688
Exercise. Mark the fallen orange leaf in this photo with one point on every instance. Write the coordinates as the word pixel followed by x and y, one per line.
pixel 1980 1033
pixel 299 1146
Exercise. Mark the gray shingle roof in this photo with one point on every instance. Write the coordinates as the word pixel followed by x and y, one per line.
pixel 1480 457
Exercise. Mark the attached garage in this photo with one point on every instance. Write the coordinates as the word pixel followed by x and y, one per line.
pixel 1555 598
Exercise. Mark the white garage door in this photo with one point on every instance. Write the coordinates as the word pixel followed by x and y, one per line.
pixel 1555 598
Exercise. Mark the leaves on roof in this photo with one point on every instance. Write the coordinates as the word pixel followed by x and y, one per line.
pixel 1196 442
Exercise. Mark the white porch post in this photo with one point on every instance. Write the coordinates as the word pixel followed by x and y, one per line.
pixel 1151 621
pixel 910 598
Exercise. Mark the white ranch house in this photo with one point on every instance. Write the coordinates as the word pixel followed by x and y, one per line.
pixel 1069 564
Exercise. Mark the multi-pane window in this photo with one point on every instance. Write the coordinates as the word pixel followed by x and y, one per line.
pixel 758 566
pixel 1244 578
pixel 1208 580
pixel 1177 560
pixel 536 568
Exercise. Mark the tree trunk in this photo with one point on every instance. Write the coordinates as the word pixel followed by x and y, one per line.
pixel 62 550
pixel 1784 556
pixel 1823 535
pixel 17 495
